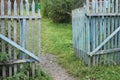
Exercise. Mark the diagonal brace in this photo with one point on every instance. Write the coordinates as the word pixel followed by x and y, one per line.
pixel 19 47
pixel 105 41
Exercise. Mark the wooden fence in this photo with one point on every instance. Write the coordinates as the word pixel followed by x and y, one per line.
pixel 19 37
pixel 96 33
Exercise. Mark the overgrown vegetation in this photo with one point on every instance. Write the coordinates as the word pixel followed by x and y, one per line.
pixel 40 74
pixel 60 10
pixel 3 57
pixel 57 40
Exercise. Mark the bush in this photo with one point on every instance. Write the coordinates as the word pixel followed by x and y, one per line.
pixel 60 10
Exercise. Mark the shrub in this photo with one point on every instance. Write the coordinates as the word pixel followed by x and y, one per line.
pixel 60 10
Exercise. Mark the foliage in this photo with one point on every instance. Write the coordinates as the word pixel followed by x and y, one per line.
pixel 21 75
pixel 3 57
pixel 57 39
pixel 77 3
pixel 60 10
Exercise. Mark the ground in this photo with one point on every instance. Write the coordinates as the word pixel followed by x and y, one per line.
pixel 49 63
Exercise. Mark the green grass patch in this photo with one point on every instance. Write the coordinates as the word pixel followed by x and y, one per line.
pixel 57 40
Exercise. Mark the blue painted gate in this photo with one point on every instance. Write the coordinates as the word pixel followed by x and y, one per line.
pixel 96 33
pixel 19 37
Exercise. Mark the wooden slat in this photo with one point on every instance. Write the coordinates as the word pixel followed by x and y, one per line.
pixel 33 45
pixel 88 33
pixel 23 37
pixel 116 36
pixel 17 61
pixel 87 6
pixel 109 51
pixel 19 47
pixel 116 26
pixel 73 28
pixel 15 35
pixel 101 27
pixel 9 36
pixel 79 30
pixel 80 21
pixel 23 21
pixel 104 28
pixel 3 32
pixel 119 35
pixel 113 26
pixel 83 24
pixel 101 22
pixel 22 40
pixel 74 23
pixel 39 36
pixel 108 27
pixel 102 14
pixel 104 23
pixel 94 28
pixel 20 17
pixel 27 32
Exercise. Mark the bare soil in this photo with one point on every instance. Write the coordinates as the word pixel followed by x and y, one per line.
pixel 49 63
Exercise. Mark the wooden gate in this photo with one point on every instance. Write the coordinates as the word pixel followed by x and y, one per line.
pixel 96 33
pixel 19 37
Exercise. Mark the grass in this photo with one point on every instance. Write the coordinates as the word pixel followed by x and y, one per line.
pixel 57 40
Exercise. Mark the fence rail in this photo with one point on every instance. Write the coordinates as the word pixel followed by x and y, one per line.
pixel 96 33
pixel 19 37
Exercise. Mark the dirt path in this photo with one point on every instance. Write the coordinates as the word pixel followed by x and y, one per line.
pixel 49 63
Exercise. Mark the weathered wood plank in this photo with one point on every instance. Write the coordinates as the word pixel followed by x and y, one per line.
pixel 109 51
pixel 20 17
pixel 27 32
pixel 3 32
pixel 33 41
pixel 9 36
pixel 19 47
pixel 17 61
pixel 15 35
pixel 88 33
pixel 104 28
pixel 119 35
pixel 97 30
pixel 21 31
pixel 101 27
pixel 39 36
pixel 108 27
pixel 102 14
pixel 116 36
pixel 94 28
pixel 113 26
